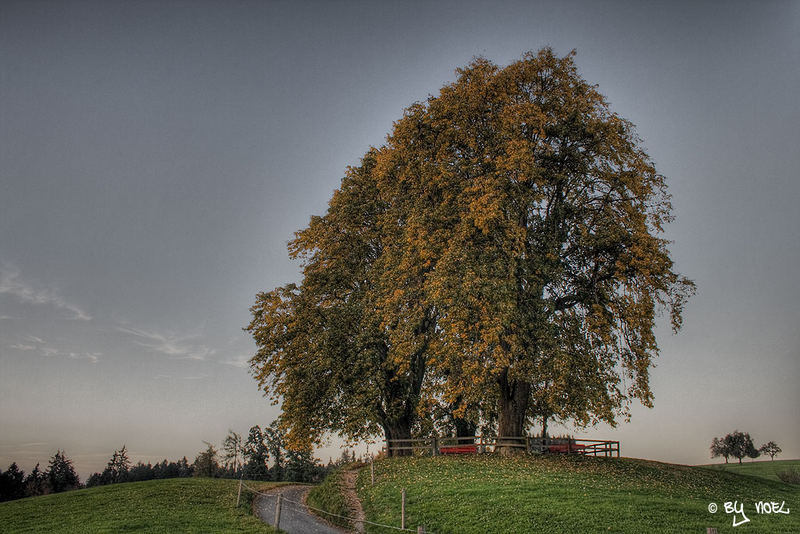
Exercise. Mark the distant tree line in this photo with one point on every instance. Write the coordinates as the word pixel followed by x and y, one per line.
pixel 740 445
pixel 59 476
pixel 263 455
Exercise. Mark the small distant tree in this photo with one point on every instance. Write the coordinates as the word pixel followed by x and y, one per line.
pixel 61 473
pixel 771 448
pixel 232 446
pixel 740 445
pixel 12 483
pixel 275 439
pixel 301 466
pixel 256 455
pixel 185 469
pixel 37 483
pixel 118 467
pixel 205 464
pixel 719 448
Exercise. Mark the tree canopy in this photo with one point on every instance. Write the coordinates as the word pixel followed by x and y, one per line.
pixel 501 256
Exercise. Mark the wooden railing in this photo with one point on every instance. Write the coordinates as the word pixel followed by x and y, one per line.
pixel 482 444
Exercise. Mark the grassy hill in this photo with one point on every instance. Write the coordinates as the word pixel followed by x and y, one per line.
pixel 568 494
pixel 158 506
pixel 764 469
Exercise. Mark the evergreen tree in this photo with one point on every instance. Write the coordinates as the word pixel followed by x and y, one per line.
pixel 37 483
pixel 232 445
pixel 205 464
pixel 256 455
pixel 62 474
pixel 12 483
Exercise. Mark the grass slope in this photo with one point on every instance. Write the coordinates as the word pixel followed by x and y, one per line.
pixel 568 494
pixel 328 496
pixel 157 506
pixel 764 469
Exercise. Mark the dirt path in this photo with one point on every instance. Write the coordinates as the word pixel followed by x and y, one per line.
pixel 349 491
pixel 295 517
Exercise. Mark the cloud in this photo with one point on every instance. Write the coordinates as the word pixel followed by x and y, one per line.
pixel 48 350
pixel 92 357
pixel 170 377
pixel 242 361
pixel 177 347
pixel 12 284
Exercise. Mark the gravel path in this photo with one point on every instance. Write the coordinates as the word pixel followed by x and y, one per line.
pixel 295 518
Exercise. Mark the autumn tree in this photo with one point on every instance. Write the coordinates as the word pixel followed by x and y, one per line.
pixel 537 218
pixel 343 351
pixel 500 256
pixel 771 448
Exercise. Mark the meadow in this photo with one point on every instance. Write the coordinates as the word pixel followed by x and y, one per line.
pixel 554 494
pixel 765 469
pixel 186 505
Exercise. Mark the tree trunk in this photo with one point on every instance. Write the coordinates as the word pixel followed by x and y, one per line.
pixel 512 408
pixel 465 429
pixel 398 429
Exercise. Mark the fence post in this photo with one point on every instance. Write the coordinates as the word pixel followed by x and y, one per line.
pixel 527 444
pixel 372 470
pixel 278 512
pixel 239 495
pixel 403 509
pixel 433 446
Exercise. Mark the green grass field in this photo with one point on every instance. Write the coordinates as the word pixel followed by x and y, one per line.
pixel 568 494
pixel 200 505
pixel 764 469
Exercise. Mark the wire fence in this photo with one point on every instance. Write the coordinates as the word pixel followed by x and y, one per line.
pixel 302 507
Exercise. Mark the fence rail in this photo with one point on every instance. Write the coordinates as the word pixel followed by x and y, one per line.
pixel 482 444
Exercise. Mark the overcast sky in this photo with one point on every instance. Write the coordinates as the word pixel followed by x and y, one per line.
pixel 156 157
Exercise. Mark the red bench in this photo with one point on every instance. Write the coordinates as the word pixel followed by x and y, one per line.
pixel 565 448
pixel 459 449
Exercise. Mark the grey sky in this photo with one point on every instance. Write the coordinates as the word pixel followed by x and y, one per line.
pixel 155 158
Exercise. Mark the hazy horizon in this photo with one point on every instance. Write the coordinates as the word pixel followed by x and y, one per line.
pixel 155 159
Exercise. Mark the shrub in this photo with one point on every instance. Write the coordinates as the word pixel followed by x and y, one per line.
pixel 790 476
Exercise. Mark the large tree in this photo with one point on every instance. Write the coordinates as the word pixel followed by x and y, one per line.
pixel 343 351
pixel 501 256
pixel 538 215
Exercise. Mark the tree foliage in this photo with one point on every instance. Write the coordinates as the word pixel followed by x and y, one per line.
pixel 61 473
pixel 232 447
pixel 500 256
pixel 740 445
pixel 771 448
pixel 206 464
pixel 720 448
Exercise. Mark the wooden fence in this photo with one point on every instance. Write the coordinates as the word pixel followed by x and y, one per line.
pixel 482 444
